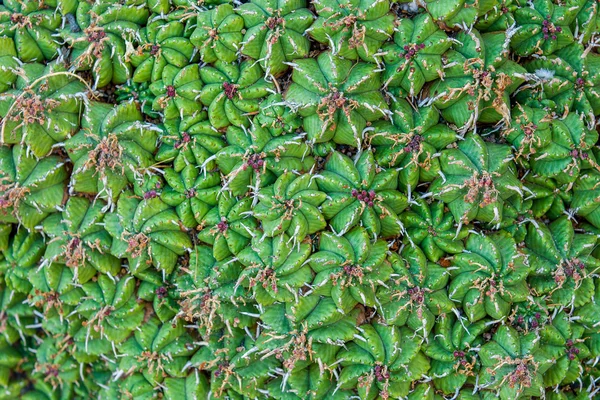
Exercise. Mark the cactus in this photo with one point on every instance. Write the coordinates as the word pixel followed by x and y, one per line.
pixel 218 34
pixel 111 149
pixel 361 192
pixel 415 56
pixel 43 109
pixel 275 32
pixel 561 262
pixel 477 177
pixel 298 200
pixel 233 92
pixel 335 98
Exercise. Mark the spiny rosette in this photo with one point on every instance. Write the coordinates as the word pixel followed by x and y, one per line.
pixel 489 276
pixel 349 268
pixel 549 198
pixel 568 152
pixel 529 315
pixel 430 227
pixel 562 267
pixel 291 205
pixel 476 179
pixel 254 158
pixel 564 340
pixel 378 366
pixel 337 98
pixel 100 45
pixel 361 192
pixel 586 197
pixel 82 243
pixel 353 28
pixel 568 80
pixel 410 143
pixel 415 295
pixel 30 189
pixel 528 131
pixel 275 268
pixel 111 307
pixel 189 141
pixel 512 365
pixel 275 32
pixel 162 42
pixel 208 295
pixel 43 110
pixel 478 80
pixel 415 56
pixel 233 92
pixel 156 350
pixel 147 232
pixel 192 193
pixel 543 28
pixel 229 226
pixel 113 147
pixel 453 351
pixel 32 24
pixel 178 92
pixel 218 34
pixel 277 116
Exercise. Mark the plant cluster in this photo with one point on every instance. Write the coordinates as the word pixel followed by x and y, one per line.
pixel 292 199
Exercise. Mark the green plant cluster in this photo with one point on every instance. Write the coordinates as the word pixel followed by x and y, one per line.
pixel 292 199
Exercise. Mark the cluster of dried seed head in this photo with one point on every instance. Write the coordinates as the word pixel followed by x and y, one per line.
pixel 549 29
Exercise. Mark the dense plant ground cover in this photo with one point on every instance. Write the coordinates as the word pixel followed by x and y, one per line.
pixel 291 199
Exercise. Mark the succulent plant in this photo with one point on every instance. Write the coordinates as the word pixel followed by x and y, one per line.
pixel 291 205
pixel 561 264
pixel 218 34
pixel 156 350
pixel 8 63
pixel 564 340
pixel 229 226
pixel 30 189
pixel 353 29
pixel 453 352
pixel 299 199
pixel 336 98
pixel 21 256
pixel 586 197
pixel 411 142
pixel 254 158
pixel 44 108
pixel 543 28
pixel 275 268
pixel 178 91
pixel 432 229
pixel 477 177
pixel 81 243
pixel 416 292
pixel 113 146
pixel 512 365
pixel 490 275
pixel 147 232
pixel 232 92
pixel 162 43
pixel 192 193
pixel 415 56
pixel 189 141
pixel 349 268
pixel 478 80
pixel 32 25
pixel 375 365
pixel 361 192
pixel 277 117
pixel 275 32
